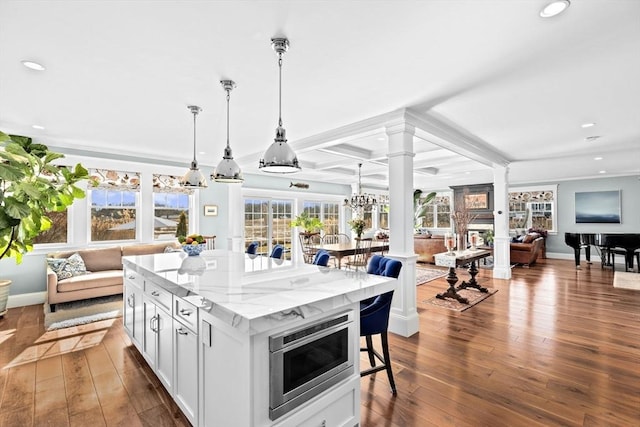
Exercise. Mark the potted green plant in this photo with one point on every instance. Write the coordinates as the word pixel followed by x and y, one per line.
pixel 488 237
pixel 420 206
pixel 310 225
pixel 31 186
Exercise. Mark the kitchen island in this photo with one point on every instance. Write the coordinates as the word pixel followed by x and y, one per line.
pixel 243 340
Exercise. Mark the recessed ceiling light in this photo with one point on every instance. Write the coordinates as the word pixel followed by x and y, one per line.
pixel 588 125
pixel 597 158
pixel 592 138
pixel 554 8
pixel 38 127
pixel 603 172
pixel 33 65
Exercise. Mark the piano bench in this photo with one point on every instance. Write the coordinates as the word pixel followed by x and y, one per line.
pixel 623 252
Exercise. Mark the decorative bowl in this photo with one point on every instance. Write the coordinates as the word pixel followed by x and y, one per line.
pixel 193 250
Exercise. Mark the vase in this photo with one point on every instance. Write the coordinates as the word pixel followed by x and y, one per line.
pixel 4 296
pixel 462 241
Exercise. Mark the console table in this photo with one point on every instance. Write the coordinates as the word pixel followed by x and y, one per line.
pixel 459 258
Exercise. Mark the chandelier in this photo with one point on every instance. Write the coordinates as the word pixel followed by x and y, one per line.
pixel 361 200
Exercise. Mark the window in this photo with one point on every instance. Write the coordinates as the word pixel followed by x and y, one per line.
pixel 327 212
pixel 114 204
pixel 268 222
pixel 171 202
pixel 331 217
pixel 168 208
pixel 58 231
pixel 532 208
pixel 113 215
pixel 256 220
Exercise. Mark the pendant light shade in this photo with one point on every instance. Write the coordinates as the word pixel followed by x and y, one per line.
pixel 228 170
pixel 279 157
pixel 194 178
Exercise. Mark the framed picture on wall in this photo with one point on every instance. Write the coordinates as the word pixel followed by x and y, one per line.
pixel 476 201
pixel 210 210
pixel 598 207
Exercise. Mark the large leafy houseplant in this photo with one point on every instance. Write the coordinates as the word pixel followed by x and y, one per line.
pixel 420 206
pixel 31 185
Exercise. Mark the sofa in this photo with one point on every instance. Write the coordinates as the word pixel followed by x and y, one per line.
pixel 526 252
pixel 426 245
pixel 90 273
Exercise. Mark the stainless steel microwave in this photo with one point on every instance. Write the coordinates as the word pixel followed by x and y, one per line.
pixel 309 360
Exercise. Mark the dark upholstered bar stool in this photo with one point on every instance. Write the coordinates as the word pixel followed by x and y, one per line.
pixel 374 318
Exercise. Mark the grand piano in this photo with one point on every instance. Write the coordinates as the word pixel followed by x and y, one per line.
pixel 607 244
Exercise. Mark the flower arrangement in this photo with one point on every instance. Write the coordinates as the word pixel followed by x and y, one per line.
pixel 357 225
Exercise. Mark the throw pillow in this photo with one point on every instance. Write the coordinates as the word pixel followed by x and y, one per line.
pixel 69 267
pixel 530 237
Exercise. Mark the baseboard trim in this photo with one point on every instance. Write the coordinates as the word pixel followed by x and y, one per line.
pixel 21 300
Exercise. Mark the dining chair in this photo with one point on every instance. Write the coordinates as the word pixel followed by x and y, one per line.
pixel 210 242
pixel 333 239
pixel 277 252
pixel 321 258
pixel 252 248
pixel 309 243
pixel 374 318
pixel 361 254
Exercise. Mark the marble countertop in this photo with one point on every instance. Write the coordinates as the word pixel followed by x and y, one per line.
pixel 253 293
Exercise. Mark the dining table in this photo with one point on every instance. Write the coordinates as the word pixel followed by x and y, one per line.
pixel 341 250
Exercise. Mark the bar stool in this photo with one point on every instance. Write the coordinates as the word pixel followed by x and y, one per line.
pixel 374 318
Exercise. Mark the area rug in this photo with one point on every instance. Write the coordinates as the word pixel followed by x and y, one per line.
pixel 474 296
pixel 626 280
pixel 75 313
pixel 424 275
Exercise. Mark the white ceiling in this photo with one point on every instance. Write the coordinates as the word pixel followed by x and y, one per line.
pixel 487 79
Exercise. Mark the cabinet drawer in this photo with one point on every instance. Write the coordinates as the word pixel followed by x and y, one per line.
pixel 186 312
pixel 160 296
pixel 134 278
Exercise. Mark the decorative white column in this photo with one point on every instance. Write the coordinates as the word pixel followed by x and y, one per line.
pixel 501 261
pixel 235 238
pixel 404 315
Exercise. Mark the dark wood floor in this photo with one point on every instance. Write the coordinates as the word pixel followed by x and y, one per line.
pixel 554 346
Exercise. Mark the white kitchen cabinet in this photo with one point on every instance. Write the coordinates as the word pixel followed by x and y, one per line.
pixel 157 345
pixel 185 360
pixel 133 309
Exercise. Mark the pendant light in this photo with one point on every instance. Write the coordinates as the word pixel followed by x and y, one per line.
pixel 228 170
pixel 194 178
pixel 279 157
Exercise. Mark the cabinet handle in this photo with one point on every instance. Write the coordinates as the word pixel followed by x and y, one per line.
pixel 155 293
pixel 131 300
pixel 153 320
pixel 182 331
pixel 131 277
pixel 185 312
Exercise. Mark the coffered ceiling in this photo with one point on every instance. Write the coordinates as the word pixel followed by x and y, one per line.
pixel 487 82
